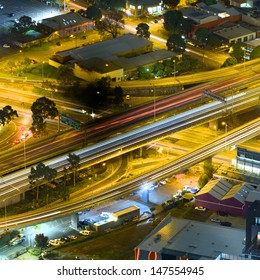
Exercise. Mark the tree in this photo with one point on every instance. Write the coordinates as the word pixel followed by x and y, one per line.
pixel 229 62
pixel 142 30
pixel 171 21
pixel 39 175
pixel 108 26
pixel 42 109
pixel 24 24
pixel 74 161
pixel 7 114
pixel 93 13
pixel 255 53
pixel 119 93
pixel 237 51
pixel 171 3
pixel 201 34
pixel 176 43
pixel 41 240
pixel 65 75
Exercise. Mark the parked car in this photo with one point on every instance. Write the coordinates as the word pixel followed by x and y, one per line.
pixel 215 220
pixel 6 46
pixel 85 232
pixel 72 237
pixel 226 224
pixel 200 208
pixel 55 242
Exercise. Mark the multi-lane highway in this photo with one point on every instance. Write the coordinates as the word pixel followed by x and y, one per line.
pixel 238 135
pixel 62 143
pixel 17 182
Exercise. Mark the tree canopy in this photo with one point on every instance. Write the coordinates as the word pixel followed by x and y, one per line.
pixel 142 30
pixel 7 114
pixel 255 53
pixel 176 43
pixel 42 109
pixel 94 13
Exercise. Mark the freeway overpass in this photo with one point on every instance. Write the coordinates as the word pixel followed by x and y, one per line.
pixel 16 183
pixel 233 137
pixel 71 140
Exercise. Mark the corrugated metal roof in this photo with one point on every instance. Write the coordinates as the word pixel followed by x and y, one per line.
pixel 217 188
pixel 239 192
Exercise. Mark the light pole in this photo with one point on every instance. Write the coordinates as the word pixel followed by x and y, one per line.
pixel 42 70
pixel 226 130
pixel 24 153
pixel 174 68
pixel 244 57
pixel 154 107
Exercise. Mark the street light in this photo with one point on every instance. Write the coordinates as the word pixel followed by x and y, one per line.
pixel 42 70
pixel 174 68
pixel 226 130
pixel 154 112
pixel 24 154
pixel 244 57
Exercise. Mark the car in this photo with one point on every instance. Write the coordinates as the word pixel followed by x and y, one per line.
pixel 163 182
pixel 85 232
pixel 200 208
pixel 215 220
pixel 73 237
pixel 6 46
pixel 65 238
pixel 11 15
pixel 55 242
pixel 226 224
pixel 17 141
pixel 33 61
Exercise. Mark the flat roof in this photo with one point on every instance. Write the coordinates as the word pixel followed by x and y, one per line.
pixel 233 32
pixel 108 49
pixel 202 239
pixel 126 210
pixel 251 146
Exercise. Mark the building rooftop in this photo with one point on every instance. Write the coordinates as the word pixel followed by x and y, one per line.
pixel 202 239
pixel 239 192
pixel 64 21
pixel 252 146
pixel 108 49
pixel 145 3
pixel 217 188
pixel 233 32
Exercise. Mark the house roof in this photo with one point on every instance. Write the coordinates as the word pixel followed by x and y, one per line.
pixel 64 21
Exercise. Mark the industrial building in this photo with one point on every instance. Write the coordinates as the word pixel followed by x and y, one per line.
pixel 175 239
pixel 222 195
pixel 111 58
pixel 248 157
